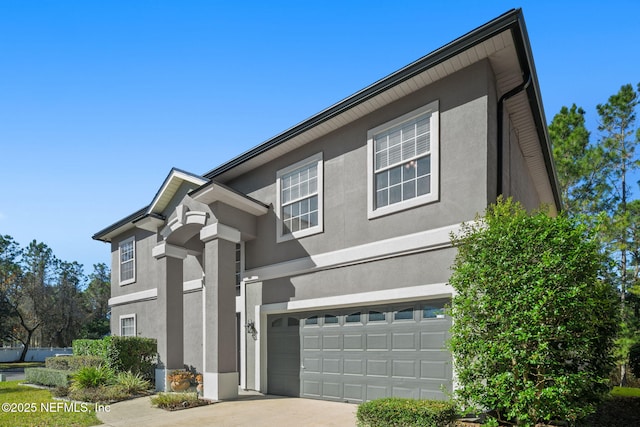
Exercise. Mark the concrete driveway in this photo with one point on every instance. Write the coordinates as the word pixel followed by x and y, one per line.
pixel 251 409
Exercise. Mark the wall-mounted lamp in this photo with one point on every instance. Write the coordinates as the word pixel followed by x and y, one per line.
pixel 251 329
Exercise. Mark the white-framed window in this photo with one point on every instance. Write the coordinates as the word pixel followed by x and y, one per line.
pixel 403 162
pixel 299 199
pixel 127 258
pixel 239 265
pixel 128 325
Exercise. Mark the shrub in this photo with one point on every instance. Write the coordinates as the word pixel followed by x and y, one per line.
pixel 132 383
pixel 60 392
pixel 173 401
pixel 396 412
pixel 532 323
pixel 101 394
pixel 133 354
pixel 91 347
pixel 47 377
pixel 91 377
pixel 122 354
pixel 73 363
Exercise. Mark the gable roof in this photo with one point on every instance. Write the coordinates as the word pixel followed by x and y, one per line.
pixel 503 41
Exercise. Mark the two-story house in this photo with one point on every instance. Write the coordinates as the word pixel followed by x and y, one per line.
pixel 316 264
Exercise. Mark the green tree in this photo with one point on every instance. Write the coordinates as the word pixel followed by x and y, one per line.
pixel 68 314
pixel 619 141
pixel 96 300
pixel 10 277
pixel 576 162
pixel 532 323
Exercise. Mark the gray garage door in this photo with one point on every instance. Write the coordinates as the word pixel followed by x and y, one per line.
pixel 366 353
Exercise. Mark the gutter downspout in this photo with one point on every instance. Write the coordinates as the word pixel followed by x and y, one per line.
pixel 522 86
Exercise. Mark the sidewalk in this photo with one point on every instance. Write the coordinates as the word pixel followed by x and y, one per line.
pixel 250 409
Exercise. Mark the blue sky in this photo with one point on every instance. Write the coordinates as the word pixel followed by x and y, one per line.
pixel 98 100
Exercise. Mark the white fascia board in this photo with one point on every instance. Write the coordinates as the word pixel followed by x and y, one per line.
pixel 173 176
pixel 146 295
pixel 217 193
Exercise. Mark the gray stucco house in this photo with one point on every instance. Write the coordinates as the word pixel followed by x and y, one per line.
pixel 316 264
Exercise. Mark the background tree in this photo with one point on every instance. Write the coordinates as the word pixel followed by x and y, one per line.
pixel 597 183
pixel 67 314
pixel 618 142
pixel 532 323
pixel 10 277
pixel 96 301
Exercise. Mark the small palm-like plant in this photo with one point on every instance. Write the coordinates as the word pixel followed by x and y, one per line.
pixel 91 377
pixel 132 383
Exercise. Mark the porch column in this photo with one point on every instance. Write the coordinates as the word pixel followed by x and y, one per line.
pixel 169 316
pixel 219 317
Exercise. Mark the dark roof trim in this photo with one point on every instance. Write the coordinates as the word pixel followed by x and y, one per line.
pixel 136 216
pixel 472 38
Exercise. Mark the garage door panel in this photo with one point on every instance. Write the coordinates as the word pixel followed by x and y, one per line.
pixel 377 341
pixel 432 340
pixel 377 367
pixel 332 390
pixel 312 364
pixel 404 392
pixel 331 342
pixel 434 369
pixel 311 342
pixel 353 342
pixel 353 392
pixel 331 366
pixel 403 341
pixel 376 392
pixel 353 366
pixel 311 388
pixel 403 368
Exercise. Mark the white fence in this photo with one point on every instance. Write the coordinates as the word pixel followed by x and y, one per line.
pixel 34 354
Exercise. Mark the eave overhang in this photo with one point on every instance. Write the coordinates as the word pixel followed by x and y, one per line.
pixel 215 192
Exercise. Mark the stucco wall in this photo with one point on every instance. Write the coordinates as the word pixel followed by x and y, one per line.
pixel 463 106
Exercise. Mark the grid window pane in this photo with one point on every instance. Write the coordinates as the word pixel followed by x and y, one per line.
pixel 300 199
pixel 127 260
pixel 127 327
pixel 403 162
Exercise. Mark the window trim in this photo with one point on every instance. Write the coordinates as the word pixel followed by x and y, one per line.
pixel 135 326
pixel 434 195
pixel 131 240
pixel 280 237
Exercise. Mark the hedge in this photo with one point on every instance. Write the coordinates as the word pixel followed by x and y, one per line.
pixel 122 354
pixel 48 377
pixel 73 363
pixel 397 412
pixel 91 347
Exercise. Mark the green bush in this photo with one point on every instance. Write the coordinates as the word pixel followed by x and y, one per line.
pixel 101 394
pixel 533 323
pixel 133 354
pixel 132 383
pixel 122 354
pixel 48 377
pixel 91 347
pixel 73 363
pixel 91 377
pixel 397 412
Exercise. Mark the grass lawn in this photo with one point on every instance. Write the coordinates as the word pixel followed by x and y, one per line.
pixel 14 365
pixel 28 406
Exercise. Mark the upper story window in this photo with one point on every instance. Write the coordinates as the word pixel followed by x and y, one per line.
pixel 127 254
pixel 403 164
pixel 299 199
